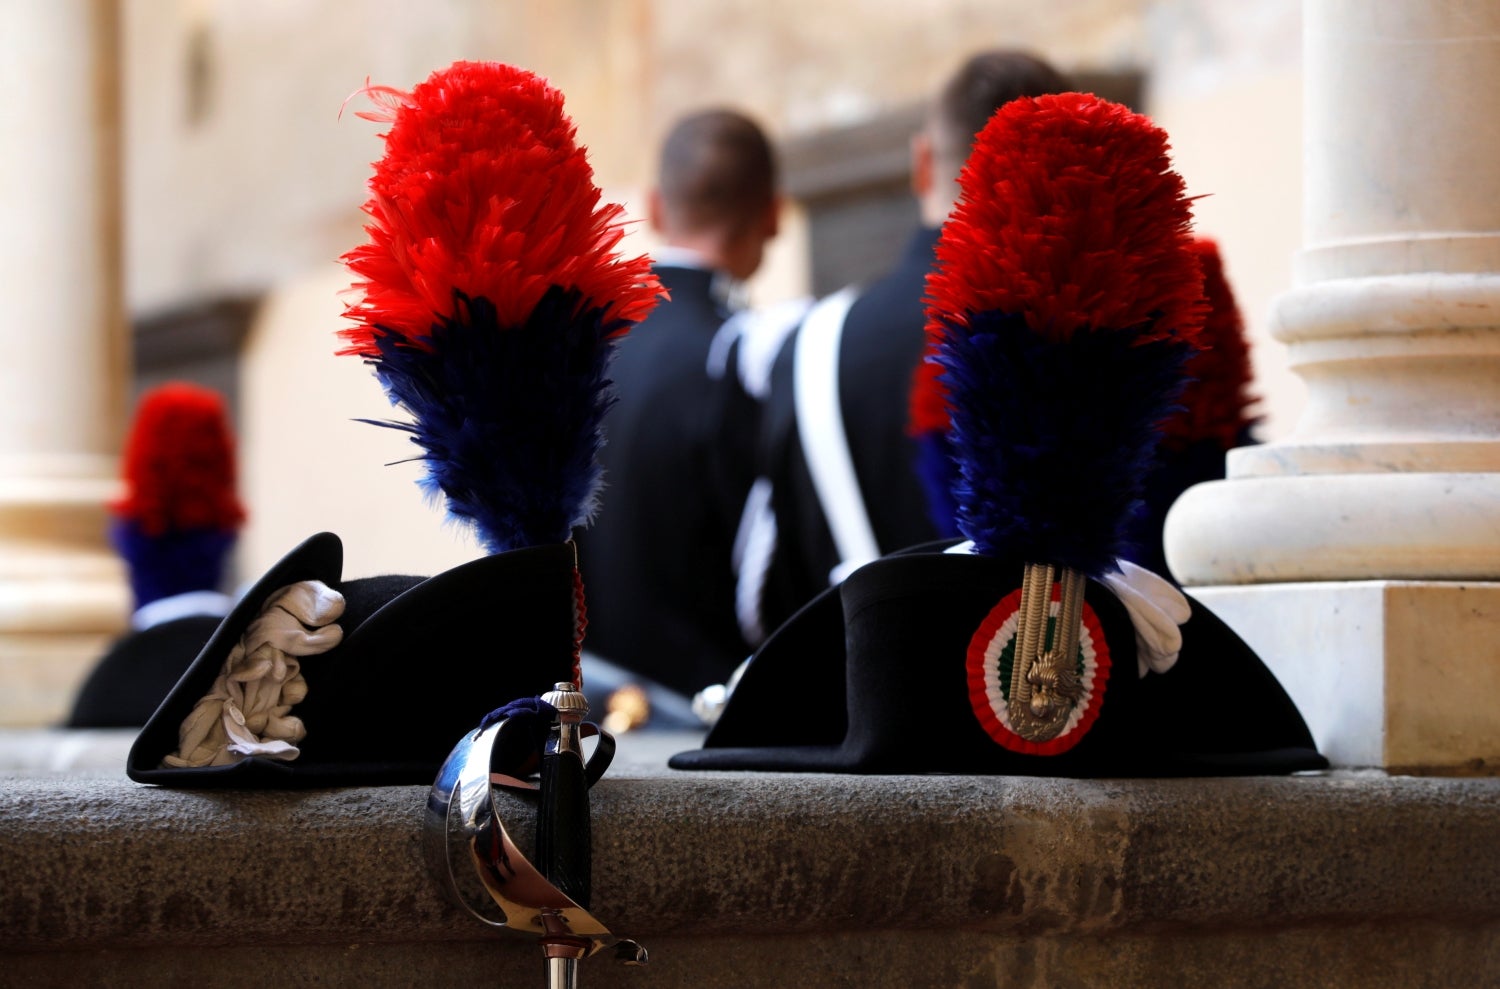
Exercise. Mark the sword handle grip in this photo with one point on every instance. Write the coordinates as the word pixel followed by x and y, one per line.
pixel 563 835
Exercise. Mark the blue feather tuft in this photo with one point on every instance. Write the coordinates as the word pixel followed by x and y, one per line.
pixel 173 562
pixel 508 418
pixel 935 472
pixel 1054 437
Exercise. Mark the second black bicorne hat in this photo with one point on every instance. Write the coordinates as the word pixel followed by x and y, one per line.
pixel 421 662
pixel 903 668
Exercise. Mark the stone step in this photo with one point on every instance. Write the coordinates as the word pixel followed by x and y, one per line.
pixel 1357 879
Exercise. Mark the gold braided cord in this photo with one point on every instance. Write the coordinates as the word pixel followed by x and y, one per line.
pixel 1044 685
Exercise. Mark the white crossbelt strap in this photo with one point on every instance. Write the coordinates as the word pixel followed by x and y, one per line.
pixel 820 426
pixel 754 545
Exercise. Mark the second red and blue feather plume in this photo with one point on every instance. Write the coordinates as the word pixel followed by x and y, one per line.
pixel 1065 302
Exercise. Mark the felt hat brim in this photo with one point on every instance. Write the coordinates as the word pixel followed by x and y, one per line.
pixel 803 705
pixel 321 558
pixel 422 661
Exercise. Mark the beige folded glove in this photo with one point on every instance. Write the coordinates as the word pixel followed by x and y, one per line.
pixel 247 712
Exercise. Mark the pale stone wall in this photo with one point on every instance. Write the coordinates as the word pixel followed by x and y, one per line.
pixel 241 177
pixel 1226 83
pixel 241 173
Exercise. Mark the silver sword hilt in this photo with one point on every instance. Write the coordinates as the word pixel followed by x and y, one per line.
pixel 480 866
pixel 563 837
pixel 563 833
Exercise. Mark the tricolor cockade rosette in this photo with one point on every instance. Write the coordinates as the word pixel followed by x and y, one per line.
pixel 492 294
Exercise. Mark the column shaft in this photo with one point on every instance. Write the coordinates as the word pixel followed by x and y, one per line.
pixel 1393 471
pixel 66 364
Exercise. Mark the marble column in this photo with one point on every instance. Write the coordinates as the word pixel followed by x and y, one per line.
pixel 1360 554
pixel 64 369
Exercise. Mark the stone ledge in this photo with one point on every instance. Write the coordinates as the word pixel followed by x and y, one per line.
pixel 1367 956
pixel 766 875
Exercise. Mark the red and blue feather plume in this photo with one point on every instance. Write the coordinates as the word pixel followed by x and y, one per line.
pixel 179 514
pixel 1213 416
pixel 492 294
pixel 1065 302
pixel 1216 400
pixel 927 424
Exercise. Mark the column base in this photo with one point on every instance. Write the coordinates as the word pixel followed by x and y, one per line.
pixel 1392 674
pixel 1336 527
pixel 42 674
pixel 63 591
pixel 59 611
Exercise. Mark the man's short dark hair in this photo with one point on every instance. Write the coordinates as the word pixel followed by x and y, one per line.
pixel 717 169
pixel 986 82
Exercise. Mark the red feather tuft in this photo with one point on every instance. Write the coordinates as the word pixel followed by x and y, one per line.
pixel 1070 215
pixel 180 464
pixel 1217 398
pixel 483 190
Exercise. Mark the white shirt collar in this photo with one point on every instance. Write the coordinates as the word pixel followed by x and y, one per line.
pixel 727 290
pixel 680 257
pixel 210 603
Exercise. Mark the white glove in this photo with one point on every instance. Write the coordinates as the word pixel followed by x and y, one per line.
pixel 1156 609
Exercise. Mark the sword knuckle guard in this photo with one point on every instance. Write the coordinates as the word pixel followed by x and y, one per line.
pixel 476 861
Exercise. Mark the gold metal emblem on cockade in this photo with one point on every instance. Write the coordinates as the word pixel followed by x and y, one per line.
pixel 1044 683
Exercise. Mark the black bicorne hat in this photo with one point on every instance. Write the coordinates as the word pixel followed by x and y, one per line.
pixel 1063 305
pixel 903 669
pixel 421 661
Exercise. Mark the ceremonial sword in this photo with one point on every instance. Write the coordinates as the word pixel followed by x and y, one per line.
pixel 563 834
pixel 479 865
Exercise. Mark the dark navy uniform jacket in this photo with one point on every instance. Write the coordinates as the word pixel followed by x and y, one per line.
pixel 881 346
pixel 656 562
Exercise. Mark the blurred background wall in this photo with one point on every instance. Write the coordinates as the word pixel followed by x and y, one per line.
pixel 242 183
